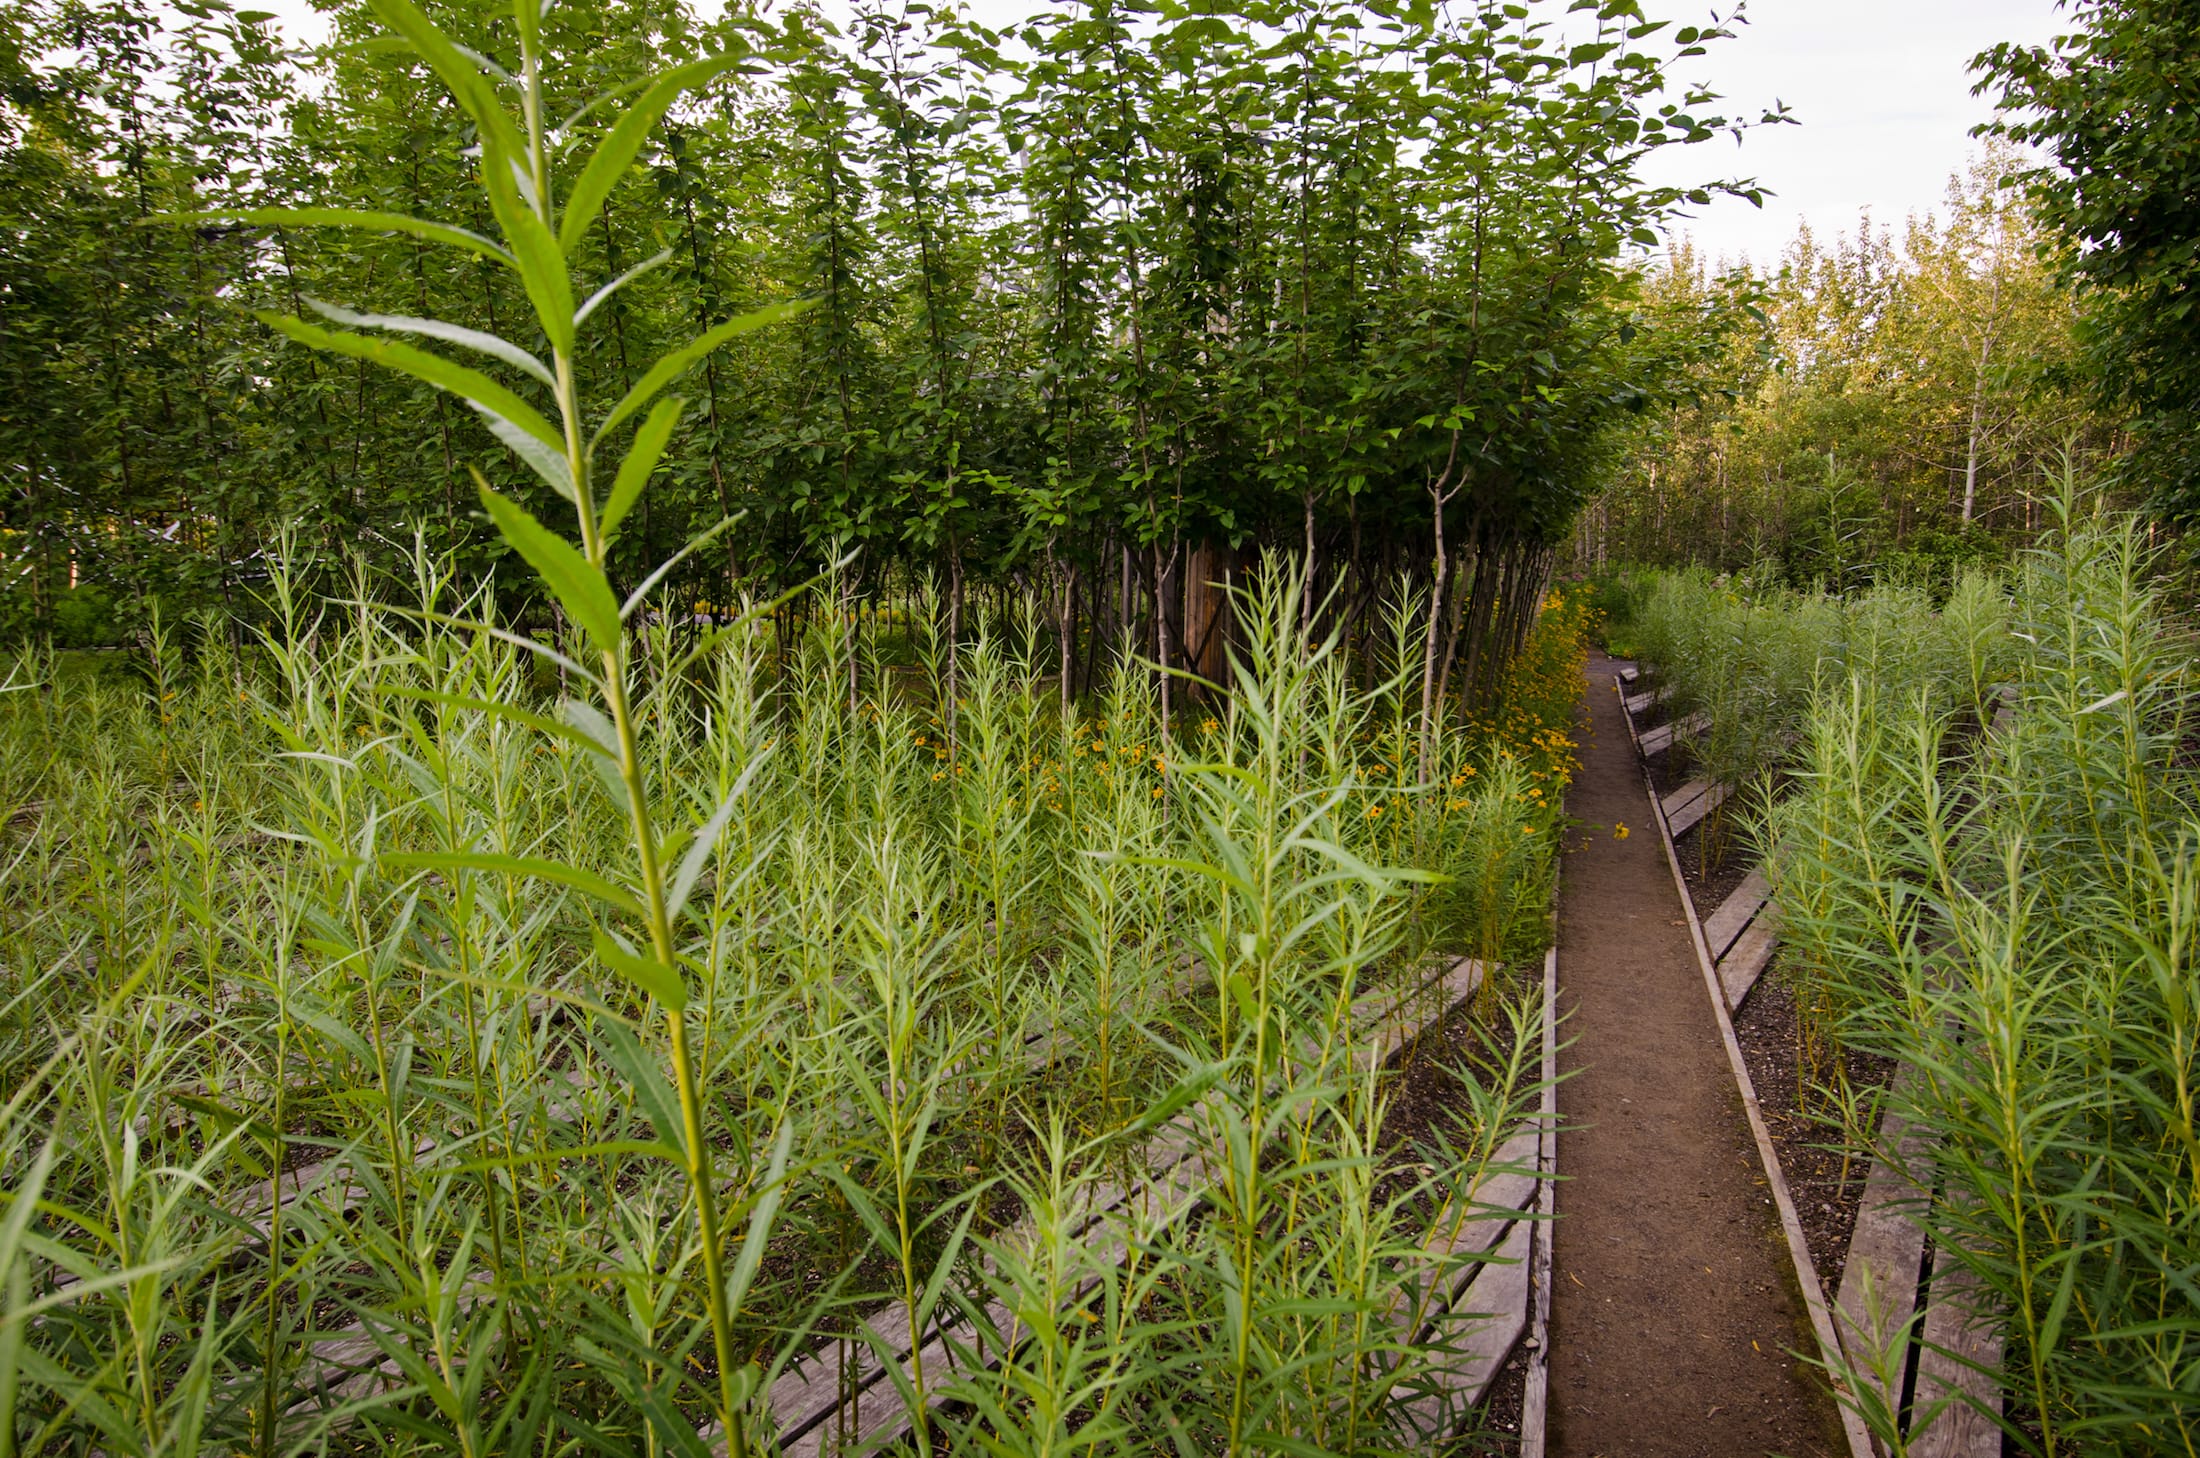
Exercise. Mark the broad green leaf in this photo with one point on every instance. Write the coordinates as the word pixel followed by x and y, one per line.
pixel 616 152
pixel 644 971
pixel 641 459
pixel 677 363
pixel 578 583
pixel 361 218
pixel 651 1090
pixel 457 334
pixel 485 394
pixel 530 867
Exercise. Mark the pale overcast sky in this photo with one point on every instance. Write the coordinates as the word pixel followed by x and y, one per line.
pixel 1879 88
pixel 1883 98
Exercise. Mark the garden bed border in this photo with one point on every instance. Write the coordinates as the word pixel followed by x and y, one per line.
pixel 1804 1268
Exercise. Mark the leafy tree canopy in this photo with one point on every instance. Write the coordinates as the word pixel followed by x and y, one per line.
pixel 2115 106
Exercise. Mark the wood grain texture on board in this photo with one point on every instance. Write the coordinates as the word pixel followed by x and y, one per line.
pixel 1962 1345
pixel 1660 739
pixel 1735 913
pixel 1686 807
pixel 1878 1295
pixel 1747 959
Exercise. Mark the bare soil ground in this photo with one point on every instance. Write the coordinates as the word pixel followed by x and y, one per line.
pixel 1674 1315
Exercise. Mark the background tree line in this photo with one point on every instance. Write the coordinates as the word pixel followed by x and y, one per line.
pixel 1888 400
pixel 1101 307
pixel 1893 400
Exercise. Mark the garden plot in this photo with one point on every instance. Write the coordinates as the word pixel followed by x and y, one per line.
pixel 1934 1394
pixel 954 975
pixel 1487 1264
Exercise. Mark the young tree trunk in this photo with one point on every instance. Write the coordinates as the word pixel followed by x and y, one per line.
pixel 1440 491
pixel 1165 573
pixel 950 711
pixel 1066 639
pixel 1978 400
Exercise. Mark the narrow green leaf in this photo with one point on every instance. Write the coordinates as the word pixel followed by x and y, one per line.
pixel 677 363
pixel 361 218
pixel 533 868
pixel 651 1091
pixel 691 865
pixel 616 152
pixel 641 459
pixel 541 264
pixel 675 1434
pixel 761 1216
pixel 470 385
pixel 472 90
pixel 602 748
pixel 475 339
pixel 598 298
pixel 578 583
pixel 646 972
pixel 544 461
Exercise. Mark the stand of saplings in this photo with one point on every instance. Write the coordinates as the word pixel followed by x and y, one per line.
pixel 1983 848
pixel 307 918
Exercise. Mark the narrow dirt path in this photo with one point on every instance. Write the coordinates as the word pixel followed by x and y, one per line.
pixel 1675 1308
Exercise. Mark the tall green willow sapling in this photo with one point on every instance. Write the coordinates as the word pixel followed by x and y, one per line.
pixel 542 217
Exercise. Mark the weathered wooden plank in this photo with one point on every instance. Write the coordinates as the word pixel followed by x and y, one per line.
pixel 1481 1326
pixel 1628 673
pixel 1660 739
pixel 1535 1397
pixel 1639 704
pixel 1886 1254
pixel 1687 806
pixel 1735 915
pixel 1962 1345
pixel 1748 958
pixel 812 1405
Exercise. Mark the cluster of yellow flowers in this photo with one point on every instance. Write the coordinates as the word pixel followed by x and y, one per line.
pixel 1534 718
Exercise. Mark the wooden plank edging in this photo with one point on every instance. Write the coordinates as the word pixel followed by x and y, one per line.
pixel 1535 1404
pixel 1805 1269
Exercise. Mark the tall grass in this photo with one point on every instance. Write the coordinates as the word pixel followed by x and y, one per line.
pixel 2008 909
pixel 345 1128
pixel 1749 657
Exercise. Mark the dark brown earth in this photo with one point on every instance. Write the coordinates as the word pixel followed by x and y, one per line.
pixel 1675 1310
pixel 1827 1189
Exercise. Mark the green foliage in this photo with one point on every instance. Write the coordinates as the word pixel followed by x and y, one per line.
pixel 1751 655
pixel 2112 106
pixel 1115 307
pixel 1884 404
pixel 2006 906
pixel 282 911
